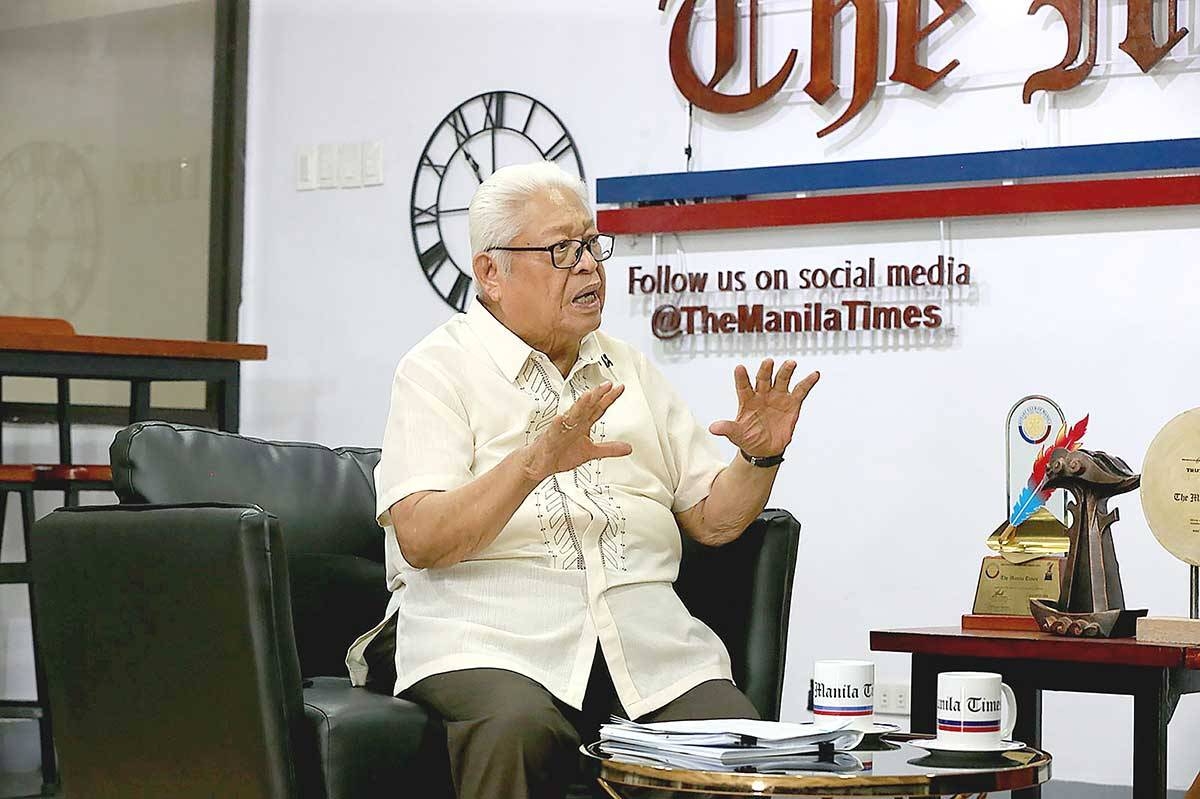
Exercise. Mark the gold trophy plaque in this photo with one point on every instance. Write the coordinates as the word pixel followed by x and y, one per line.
pixel 1030 544
pixel 1005 588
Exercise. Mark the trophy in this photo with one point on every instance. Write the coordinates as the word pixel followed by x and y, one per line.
pixel 1031 542
pixel 1171 501
pixel 1090 602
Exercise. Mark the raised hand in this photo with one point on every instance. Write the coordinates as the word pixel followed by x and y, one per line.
pixel 767 411
pixel 567 442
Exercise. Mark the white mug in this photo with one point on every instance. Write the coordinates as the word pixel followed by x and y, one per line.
pixel 969 709
pixel 844 694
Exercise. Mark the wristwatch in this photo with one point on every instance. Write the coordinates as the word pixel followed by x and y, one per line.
pixel 766 462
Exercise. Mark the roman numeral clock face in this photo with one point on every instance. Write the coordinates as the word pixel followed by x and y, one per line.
pixel 49 230
pixel 478 137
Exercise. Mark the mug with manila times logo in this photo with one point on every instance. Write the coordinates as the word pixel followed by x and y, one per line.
pixel 969 707
pixel 844 694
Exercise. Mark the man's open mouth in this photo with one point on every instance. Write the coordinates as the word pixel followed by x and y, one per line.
pixel 588 297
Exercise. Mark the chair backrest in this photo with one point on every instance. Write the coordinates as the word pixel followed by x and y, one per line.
pixel 169 667
pixel 743 591
pixel 324 499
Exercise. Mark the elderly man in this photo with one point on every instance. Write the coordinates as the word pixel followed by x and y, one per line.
pixel 535 477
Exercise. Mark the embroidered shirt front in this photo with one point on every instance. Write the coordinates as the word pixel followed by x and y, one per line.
pixel 590 555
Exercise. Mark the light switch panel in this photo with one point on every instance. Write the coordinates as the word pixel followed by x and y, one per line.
pixel 306 169
pixel 350 165
pixel 327 166
pixel 372 163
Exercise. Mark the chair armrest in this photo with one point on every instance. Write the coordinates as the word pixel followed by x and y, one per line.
pixel 743 591
pixel 171 664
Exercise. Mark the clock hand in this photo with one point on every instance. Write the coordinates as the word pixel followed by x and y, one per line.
pixel 474 164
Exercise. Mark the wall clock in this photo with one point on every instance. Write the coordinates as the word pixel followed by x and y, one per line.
pixel 479 136
pixel 49 230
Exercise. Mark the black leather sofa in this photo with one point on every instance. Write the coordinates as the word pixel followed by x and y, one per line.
pixel 194 635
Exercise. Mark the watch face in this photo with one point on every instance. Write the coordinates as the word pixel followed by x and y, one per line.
pixel 478 137
pixel 49 230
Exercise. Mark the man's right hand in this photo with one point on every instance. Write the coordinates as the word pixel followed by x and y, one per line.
pixel 567 442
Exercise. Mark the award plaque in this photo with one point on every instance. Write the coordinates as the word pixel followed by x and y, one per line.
pixel 1171 501
pixel 1005 588
pixel 1032 540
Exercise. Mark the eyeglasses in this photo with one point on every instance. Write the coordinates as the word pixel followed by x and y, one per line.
pixel 567 253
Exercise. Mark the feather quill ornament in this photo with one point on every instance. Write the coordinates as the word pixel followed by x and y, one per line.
pixel 1034 495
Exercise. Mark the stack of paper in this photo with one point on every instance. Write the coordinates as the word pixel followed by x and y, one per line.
pixel 730 745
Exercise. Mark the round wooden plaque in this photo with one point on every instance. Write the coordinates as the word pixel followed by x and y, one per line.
pixel 1171 486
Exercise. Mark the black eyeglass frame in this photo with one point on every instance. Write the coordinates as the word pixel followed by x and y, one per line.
pixel 583 245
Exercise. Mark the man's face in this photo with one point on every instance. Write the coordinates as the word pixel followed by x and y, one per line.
pixel 548 307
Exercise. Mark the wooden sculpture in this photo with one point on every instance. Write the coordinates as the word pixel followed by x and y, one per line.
pixel 1091 603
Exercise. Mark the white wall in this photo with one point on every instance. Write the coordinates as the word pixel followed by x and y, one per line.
pixel 897 472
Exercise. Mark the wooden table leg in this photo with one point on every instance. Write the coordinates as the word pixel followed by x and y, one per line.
pixel 923 702
pixel 1150 717
pixel 139 401
pixel 228 398
pixel 63 416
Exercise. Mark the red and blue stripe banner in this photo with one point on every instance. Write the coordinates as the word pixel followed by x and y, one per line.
pixel 1076 178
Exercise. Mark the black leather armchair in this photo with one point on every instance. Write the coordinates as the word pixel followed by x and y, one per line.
pixel 194 635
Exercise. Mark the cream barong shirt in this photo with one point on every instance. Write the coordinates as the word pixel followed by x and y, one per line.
pixel 589 556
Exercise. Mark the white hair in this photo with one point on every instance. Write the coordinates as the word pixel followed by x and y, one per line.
pixel 497 211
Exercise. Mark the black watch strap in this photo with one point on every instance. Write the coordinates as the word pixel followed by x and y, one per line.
pixel 765 462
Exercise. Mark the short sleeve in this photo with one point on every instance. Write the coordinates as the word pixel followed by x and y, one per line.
pixel 691 451
pixel 427 444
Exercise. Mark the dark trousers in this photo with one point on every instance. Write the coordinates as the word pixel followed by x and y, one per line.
pixel 509 738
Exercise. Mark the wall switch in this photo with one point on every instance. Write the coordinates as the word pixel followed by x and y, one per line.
pixel 372 163
pixel 891 699
pixel 350 165
pixel 306 169
pixel 327 166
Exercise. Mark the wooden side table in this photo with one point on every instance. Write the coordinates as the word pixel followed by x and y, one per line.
pixel 1155 675
pixel 32 347
pixel 138 361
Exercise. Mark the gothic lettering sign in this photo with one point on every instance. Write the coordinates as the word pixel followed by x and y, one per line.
pixel 1079 16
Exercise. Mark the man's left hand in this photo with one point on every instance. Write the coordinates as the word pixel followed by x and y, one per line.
pixel 767 411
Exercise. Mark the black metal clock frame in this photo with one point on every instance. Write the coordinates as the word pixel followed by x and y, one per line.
pixel 434 257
